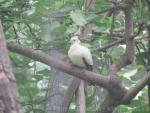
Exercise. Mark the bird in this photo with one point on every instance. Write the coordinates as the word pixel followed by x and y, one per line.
pixel 80 55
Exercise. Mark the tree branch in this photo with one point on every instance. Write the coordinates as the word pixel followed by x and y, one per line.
pixel 58 64
pixel 127 58
pixel 110 103
pixel 134 91
pixel 117 7
pixel 104 48
pixel 120 40
pixel 69 95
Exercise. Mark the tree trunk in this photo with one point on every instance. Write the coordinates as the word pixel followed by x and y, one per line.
pixel 56 93
pixel 9 96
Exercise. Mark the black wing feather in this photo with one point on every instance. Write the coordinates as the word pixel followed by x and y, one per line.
pixel 88 66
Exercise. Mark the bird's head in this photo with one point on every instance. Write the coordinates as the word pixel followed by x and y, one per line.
pixel 75 40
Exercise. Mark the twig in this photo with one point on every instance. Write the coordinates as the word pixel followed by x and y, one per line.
pixel 112 25
pixel 30 29
pixel 17 37
pixel 110 45
pixel 121 39
pixel 117 7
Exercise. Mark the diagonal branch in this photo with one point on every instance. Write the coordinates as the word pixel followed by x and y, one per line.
pixel 134 91
pixel 111 44
pixel 69 95
pixel 58 64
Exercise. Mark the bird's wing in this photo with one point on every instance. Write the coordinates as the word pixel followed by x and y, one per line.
pixel 88 66
pixel 87 58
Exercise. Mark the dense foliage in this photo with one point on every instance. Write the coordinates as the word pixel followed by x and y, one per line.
pixel 48 24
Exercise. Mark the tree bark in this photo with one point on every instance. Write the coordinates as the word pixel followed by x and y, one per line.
pixel 56 93
pixel 148 54
pixel 80 94
pixel 9 96
pixel 110 103
pixel 69 95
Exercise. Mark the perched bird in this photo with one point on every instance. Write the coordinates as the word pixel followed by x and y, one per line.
pixel 79 54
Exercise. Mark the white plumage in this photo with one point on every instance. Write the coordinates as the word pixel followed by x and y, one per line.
pixel 79 54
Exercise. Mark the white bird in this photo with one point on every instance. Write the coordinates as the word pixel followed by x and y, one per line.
pixel 79 54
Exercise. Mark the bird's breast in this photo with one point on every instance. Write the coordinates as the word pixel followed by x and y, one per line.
pixel 75 56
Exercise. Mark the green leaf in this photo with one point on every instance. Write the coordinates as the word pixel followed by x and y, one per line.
pixel 2 0
pixel 90 17
pixel 30 11
pixel 71 29
pixel 78 17
pixel 58 4
pixel 104 71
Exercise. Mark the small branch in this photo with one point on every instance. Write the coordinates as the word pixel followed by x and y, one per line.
pixel 121 30
pixel 107 46
pixel 30 29
pixel 107 33
pixel 61 16
pixel 16 34
pixel 79 5
pixel 113 2
pixel 117 7
pixel 110 45
pixel 90 4
pixel 112 24
pixel 135 90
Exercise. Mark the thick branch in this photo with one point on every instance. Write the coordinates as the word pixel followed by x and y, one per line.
pixel 69 95
pixel 110 103
pixel 46 59
pixel 127 58
pixel 80 98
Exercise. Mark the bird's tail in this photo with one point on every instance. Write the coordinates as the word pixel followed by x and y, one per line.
pixel 89 67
